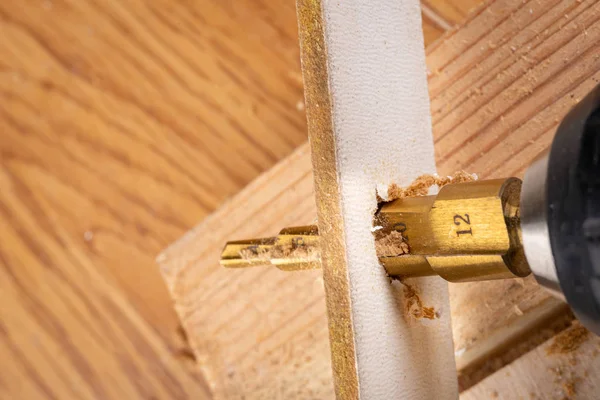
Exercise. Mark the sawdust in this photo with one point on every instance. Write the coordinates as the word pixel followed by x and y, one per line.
pixel 569 341
pixel 421 185
pixel 566 343
pixel 391 245
pixel 568 382
pixel 569 388
pixel 413 305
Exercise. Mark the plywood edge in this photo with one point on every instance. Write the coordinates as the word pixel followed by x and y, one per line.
pixel 316 65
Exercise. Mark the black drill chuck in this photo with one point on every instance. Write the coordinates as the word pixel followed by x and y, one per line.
pixel 561 212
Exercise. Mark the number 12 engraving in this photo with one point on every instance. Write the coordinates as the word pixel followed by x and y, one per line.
pixel 466 219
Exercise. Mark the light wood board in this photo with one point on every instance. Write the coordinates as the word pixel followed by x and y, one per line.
pixel 499 86
pixel 564 367
pixel 261 332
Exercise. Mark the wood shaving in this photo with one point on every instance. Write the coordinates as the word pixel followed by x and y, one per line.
pixel 569 340
pixel 421 185
pixel 391 245
pixel 568 382
pixel 569 388
pixel 253 253
pixel 279 251
pixel 413 305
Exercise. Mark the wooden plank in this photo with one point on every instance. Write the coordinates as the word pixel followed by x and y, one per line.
pixel 441 15
pixel 451 12
pixel 269 337
pixel 495 317
pixel 367 104
pixel 564 367
pixel 505 121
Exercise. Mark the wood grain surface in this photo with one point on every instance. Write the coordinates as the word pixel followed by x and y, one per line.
pixel 563 368
pixel 499 86
pixel 122 124
pixel 441 15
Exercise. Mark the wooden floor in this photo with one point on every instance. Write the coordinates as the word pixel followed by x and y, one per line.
pixel 122 125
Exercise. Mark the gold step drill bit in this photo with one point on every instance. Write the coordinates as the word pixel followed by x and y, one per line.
pixel 469 231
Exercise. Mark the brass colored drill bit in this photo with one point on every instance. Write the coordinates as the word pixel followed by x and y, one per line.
pixel 469 231
pixel 294 248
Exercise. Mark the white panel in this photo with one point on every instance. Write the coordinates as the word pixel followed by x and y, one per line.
pixel 383 135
